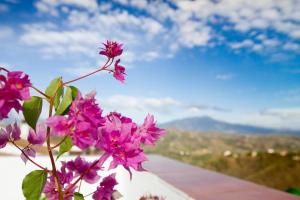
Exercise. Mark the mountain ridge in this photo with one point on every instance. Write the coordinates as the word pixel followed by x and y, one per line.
pixel 209 124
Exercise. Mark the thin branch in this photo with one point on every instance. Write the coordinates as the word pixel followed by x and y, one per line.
pixel 81 176
pixel 2 68
pixel 38 165
pixel 39 91
pixel 91 73
pixel 56 178
pixel 55 146
pixel 79 185
pixel 89 194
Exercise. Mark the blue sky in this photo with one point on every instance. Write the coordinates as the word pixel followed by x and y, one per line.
pixel 234 60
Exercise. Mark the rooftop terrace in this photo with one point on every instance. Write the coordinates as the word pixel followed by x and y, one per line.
pixel 203 184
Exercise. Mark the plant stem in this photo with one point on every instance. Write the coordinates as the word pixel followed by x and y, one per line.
pixel 57 145
pixel 60 193
pixel 89 194
pixel 2 68
pixel 81 176
pixel 79 185
pixel 39 91
pixel 91 73
pixel 38 165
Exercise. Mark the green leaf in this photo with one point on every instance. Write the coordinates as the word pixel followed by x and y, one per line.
pixel 67 100
pixel 74 92
pixel 32 109
pixel 54 86
pixel 33 184
pixel 56 101
pixel 78 196
pixel 65 146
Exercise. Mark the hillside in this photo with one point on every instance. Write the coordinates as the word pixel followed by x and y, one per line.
pixel 270 160
pixel 208 124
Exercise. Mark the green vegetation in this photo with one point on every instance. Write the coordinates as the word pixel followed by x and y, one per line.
pixel 273 161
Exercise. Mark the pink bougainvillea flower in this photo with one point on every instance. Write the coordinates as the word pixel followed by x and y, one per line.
pixel 111 49
pixel 16 132
pixel 7 105
pixel 27 152
pixel 60 125
pixel 14 87
pixel 80 131
pixel 82 136
pixel 37 137
pixel 51 192
pixel 19 81
pixel 149 132
pixel 119 138
pixel 106 188
pixel 65 178
pixel 80 166
pixel 87 110
pixel 4 137
pixel 10 133
pixel 81 123
pixel 13 131
pixel 119 71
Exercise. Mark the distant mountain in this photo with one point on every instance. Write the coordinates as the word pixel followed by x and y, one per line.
pixel 208 124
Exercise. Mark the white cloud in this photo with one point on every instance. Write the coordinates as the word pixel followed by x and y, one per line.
pixel 198 109
pixel 165 28
pixel 284 118
pixel 262 43
pixel 257 47
pixel 51 6
pixel 37 37
pixel 291 46
pixel 281 16
pixel 84 31
pixel 271 14
pixel 271 42
pixel 243 44
pixel 54 42
pixel 5 32
pixel 283 113
pixel 140 103
pixel 295 33
pixel 151 55
pixel 269 120
pixel 281 118
pixel 139 3
pixel 279 57
pixel 225 76
pixel 194 34
pixel 164 108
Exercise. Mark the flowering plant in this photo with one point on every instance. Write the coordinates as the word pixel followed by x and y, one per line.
pixel 77 120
